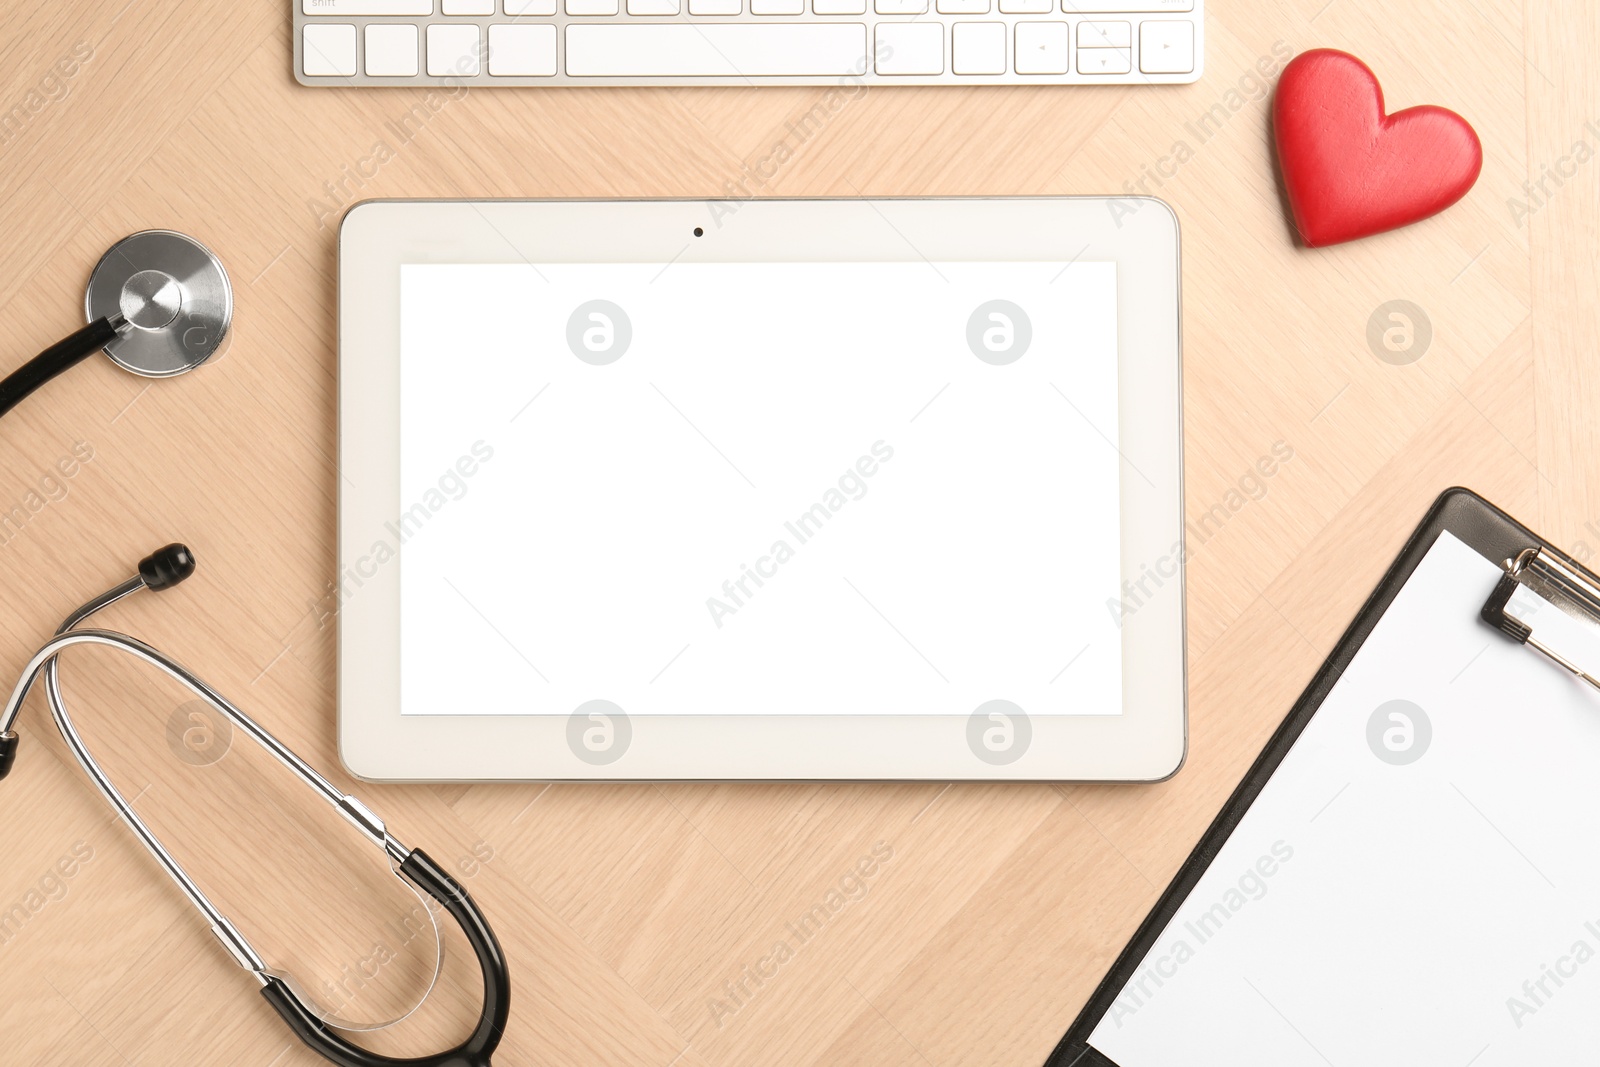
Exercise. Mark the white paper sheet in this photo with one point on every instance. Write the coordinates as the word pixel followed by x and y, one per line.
pixel 1418 884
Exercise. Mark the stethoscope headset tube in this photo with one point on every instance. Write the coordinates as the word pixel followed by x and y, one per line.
pixel 177 318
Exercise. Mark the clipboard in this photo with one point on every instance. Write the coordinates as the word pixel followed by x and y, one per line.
pixel 1528 566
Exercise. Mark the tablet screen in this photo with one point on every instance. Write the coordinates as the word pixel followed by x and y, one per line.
pixel 1418 882
pixel 782 488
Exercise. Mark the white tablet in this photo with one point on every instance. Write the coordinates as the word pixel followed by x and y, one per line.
pixel 819 489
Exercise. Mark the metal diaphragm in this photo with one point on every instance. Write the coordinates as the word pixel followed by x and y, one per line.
pixel 174 293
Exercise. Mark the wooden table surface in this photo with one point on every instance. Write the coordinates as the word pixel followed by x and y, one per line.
pixel 651 924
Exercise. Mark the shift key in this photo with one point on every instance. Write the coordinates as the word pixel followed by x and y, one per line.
pixel 1125 7
pixel 367 7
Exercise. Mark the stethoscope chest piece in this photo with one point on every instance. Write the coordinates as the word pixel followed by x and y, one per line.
pixel 175 296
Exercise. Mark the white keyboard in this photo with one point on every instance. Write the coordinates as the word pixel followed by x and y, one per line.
pixel 748 42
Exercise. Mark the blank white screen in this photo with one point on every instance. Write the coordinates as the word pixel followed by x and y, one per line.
pixel 579 520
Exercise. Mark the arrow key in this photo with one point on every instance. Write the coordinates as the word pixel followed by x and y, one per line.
pixel 1043 47
pixel 1105 60
pixel 1166 47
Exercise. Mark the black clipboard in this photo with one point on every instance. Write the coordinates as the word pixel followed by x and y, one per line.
pixel 1526 559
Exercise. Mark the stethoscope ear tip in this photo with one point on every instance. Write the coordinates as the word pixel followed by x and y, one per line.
pixel 166 567
pixel 8 752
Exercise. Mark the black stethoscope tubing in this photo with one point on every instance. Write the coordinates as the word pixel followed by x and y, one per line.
pixel 58 359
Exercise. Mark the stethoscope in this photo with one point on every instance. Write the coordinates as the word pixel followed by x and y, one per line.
pixel 160 305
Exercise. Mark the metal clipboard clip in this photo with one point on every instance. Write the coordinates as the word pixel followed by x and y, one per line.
pixel 1554 582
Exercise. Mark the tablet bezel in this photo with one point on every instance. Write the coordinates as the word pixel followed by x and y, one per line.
pixel 1477 523
pixel 1146 742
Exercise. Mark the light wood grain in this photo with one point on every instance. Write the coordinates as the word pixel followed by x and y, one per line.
pixel 630 912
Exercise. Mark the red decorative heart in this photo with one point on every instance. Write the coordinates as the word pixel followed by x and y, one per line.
pixel 1352 171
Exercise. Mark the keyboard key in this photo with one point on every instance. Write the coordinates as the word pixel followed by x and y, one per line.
pixel 839 7
pixel 717 50
pixel 530 7
pixel 907 48
pixel 655 7
pixel 978 47
pixel 328 50
pixel 526 50
pixel 453 50
pixel 1119 7
pixel 591 7
pixel 468 7
pixel 391 51
pixel 1027 7
pixel 366 7
pixel 1043 47
pixel 1105 35
pixel 963 7
pixel 715 7
pixel 1166 47
pixel 901 7
pixel 777 7
pixel 1105 60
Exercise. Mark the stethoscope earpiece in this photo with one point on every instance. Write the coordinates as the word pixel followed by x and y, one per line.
pixel 166 567
pixel 172 297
